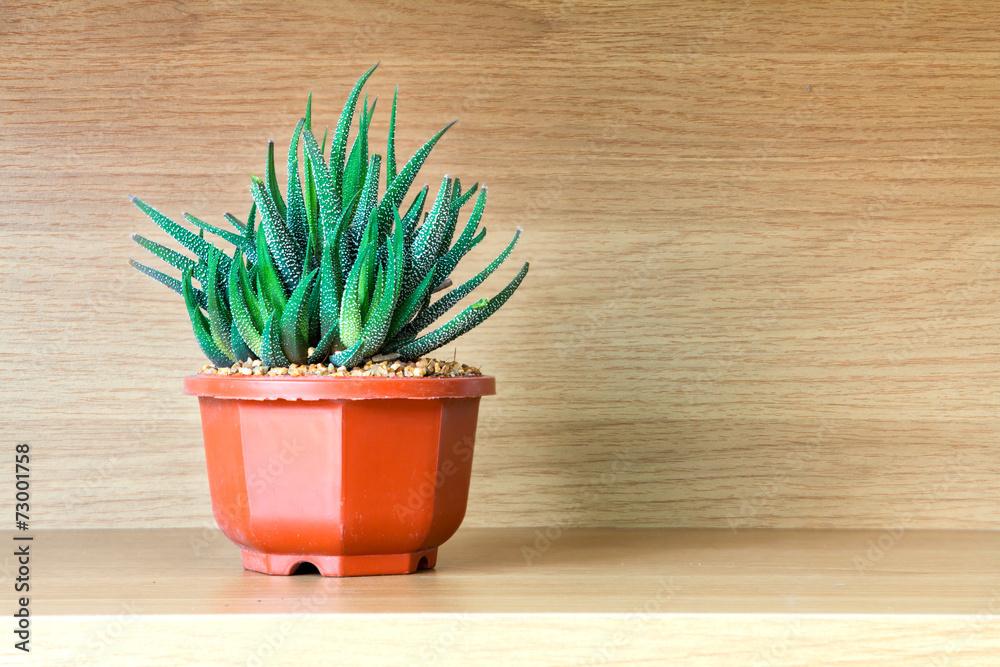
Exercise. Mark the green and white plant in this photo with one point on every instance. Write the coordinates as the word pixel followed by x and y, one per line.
pixel 331 271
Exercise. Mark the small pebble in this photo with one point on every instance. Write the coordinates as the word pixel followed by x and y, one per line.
pixel 425 367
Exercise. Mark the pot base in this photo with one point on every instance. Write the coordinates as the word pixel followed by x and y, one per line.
pixel 340 566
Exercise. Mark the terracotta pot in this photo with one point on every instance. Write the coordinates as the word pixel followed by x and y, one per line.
pixel 355 475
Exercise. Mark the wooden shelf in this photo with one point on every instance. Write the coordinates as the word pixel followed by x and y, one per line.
pixel 633 594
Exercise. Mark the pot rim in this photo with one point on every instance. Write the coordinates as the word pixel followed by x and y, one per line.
pixel 328 388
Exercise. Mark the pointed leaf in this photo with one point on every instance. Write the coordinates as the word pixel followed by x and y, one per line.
pixel 244 320
pixel 218 309
pixel 350 357
pixel 338 147
pixel 390 153
pixel 189 240
pixel 404 179
pixel 368 200
pixel 351 304
pixel 272 180
pixel 293 340
pixel 241 351
pixel 329 293
pixel 329 205
pixel 442 305
pixel 171 257
pixel 201 326
pixel 412 216
pixel 271 352
pixel 468 319
pixel 323 347
pixel 270 283
pixel 237 240
pixel 284 252
pixel 235 222
pixel 169 281
pixel 295 213
pixel 410 305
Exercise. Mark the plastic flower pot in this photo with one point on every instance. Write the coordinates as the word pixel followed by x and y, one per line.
pixel 356 475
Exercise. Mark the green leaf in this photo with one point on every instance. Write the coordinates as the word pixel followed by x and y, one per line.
pixel 237 240
pixel 410 305
pixel 390 152
pixel 169 281
pixel 323 347
pixel 295 214
pixel 251 232
pixel 396 191
pixel 189 240
pixel 271 352
pixel 349 357
pixel 427 244
pixel 384 303
pixel 412 216
pixel 351 304
pixel 458 200
pixel 235 222
pixel 296 318
pixel 447 262
pixel 366 280
pixel 218 309
pixel 442 305
pixel 338 147
pixel 248 324
pixel 345 248
pixel 368 199
pixel 468 319
pixel 462 199
pixel 257 302
pixel 284 252
pixel 312 331
pixel 329 205
pixel 241 351
pixel 271 286
pixel 356 169
pixel 311 205
pixel 201 326
pixel 272 180
pixel 330 288
pixel 380 287
pixel 171 257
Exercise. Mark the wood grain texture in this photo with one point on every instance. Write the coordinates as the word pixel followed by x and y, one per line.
pixel 763 241
pixel 547 640
pixel 634 597
pixel 537 571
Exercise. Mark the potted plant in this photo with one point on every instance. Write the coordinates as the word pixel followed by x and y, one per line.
pixel 330 437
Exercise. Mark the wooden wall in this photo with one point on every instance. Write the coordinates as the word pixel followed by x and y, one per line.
pixel 764 243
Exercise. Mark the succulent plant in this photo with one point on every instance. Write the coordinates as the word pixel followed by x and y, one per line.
pixel 331 270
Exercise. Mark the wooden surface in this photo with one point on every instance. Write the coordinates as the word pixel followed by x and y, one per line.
pixel 520 570
pixel 784 597
pixel 763 240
